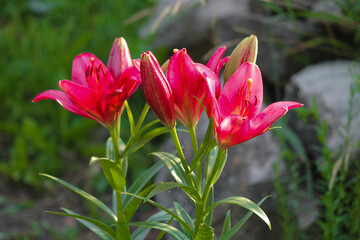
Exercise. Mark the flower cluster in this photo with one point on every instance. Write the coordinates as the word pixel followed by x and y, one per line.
pixel 179 90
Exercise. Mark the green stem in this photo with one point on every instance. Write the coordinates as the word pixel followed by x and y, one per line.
pixel 122 231
pixel 175 138
pixel 115 140
pixel 210 182
pixel 198 169
pixel 193 139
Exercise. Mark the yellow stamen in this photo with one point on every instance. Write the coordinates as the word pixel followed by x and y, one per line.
pixel 249 81
pixel 175 50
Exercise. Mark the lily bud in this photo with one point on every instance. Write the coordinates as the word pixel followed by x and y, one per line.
pixel 119 58
pixel 245 51
pixel 156 89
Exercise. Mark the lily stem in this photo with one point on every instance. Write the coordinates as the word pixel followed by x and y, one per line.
pixel 175 138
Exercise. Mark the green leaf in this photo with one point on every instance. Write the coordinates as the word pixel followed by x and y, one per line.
pixel 140 233
pixel 101 229
pixel 122 230
pixel 245 203
pixel 112 172
pixel 181 212
pixel 140 141
pixel 169 185
pixel 173 163
pixel 210 202
pixel 140 182
pixel 131 118
pixel 188 228
pixel 227 224
pixel 239 224
pixel 205 147
pixel 210 162
pixel 172 231
pixel 204 233
pixel 134 203
pixel 84 194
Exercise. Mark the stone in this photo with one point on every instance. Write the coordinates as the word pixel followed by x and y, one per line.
pixel 329 84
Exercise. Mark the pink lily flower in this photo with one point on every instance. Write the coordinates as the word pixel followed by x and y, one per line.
pixel 237 112
pixel 98 92
pixel 190 83
pixel 178 94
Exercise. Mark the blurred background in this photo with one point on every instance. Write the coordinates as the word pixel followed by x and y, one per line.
pixel 308 52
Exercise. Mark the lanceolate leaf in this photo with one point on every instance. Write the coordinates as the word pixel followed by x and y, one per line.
pixel 205 147
pixel 172 231
pixel 140 233
pixel 101 229
pixel 143 139
pixel 239 224
pixel 245 203
pixel 140 182
pixel 227 224
pixel 173 163
pixel 169 185
pixel 204 233
pixel 85 195
pixel 181 212
pixel 188 228
pixel 113 174
pixel 134 203
pixel 209 166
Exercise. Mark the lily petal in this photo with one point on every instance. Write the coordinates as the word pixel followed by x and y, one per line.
pixel 188 86
pixel 129 80
pixel 64 100
pixel 233 130
pixel 232 101
pixel 215 63
pixel 85 97
pixel 262 122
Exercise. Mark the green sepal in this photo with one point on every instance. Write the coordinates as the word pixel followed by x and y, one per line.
pixel 204 233
pixel 169 185
pixel 239 224
pixel 113 173
pixel 245 203
pixel 99 228
pixel 172 231
pixel 84 194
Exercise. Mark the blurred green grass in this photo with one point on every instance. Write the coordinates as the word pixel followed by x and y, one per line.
pixel 38 41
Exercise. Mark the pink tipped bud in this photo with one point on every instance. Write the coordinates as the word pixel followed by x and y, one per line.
pixel 245 51
pixel 156 89
pixel 119 58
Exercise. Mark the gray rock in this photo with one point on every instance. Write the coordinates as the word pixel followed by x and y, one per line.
pixel 328 84
pixel 227 22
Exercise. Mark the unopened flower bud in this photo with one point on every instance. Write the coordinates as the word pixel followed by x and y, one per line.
pixel 245 51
